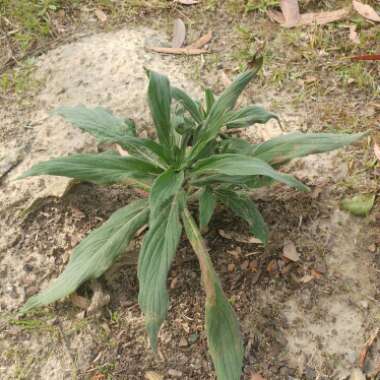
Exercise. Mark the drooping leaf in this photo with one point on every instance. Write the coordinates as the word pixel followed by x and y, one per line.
pixel 95 254
pixel 281 149
pixel 207 203
pixel 96 168
pixel 222 328
pixel 247 116
pixel 159 99
pixel 246 209
pixel 97 121
pixel 189 104
pixel 156 255
pixel 226 102
pixel 359 205
pixel 240 165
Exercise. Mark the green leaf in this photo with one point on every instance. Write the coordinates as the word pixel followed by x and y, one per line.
pixel 97 168
pixel 245 208
pixel 236 145
pixel 164 187
pixel 159 99
pixel 207 203
pixel 359 205
pixel 222 328
pixel 157 253
pixel 280 150
pixel 247 116
pixel 95 254
pixel 187 103
pixel 239 165
pixel 97 121
pixel 210 99
pixel 216 118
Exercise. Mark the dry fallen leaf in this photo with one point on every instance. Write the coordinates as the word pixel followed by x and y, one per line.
pixel 151 375
pixel 202 41
pixel 179 33
pixel 291 12
pixel 102 17
pixel 290 251
pixel 366 11
pixel 232 235
pixel 322 18
pixel 184 50
pixel 188 2
pixel 354 37
pixel 319 18
pixel 376 149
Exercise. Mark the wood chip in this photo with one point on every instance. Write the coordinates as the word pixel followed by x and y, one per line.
pixel 204 40
pixel 290 251
pixel 366 11
pixel 177 51
pixel 179 33
pixel 354 37
pixel 101 16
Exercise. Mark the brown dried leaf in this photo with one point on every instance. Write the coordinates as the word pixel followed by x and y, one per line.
pixel 102 17
pixel 178 51
pixel 188 2
pixel 376 149
pixel 366 11
pixel 232 235
pixel 290 251
pixel 322 18
pixel 354 37
pixel 319 18
pixel 202 41
pixel 366 57
pixel 179 33
pixel 291 12
pixel 79 301
pixel 151 375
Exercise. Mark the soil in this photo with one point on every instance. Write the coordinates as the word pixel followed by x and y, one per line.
pixel 308 319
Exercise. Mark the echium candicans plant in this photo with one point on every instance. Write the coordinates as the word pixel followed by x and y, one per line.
pixel 192 161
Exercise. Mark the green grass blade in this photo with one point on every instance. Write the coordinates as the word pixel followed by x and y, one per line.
pixel 95 254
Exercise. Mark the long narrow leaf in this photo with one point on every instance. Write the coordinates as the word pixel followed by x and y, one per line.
pixel 95 254
pixel 97 168
pixel 207 203
pixel 280 150
pixel 240 165
pixel 222 328
pixel 247 116
pixel 155 258
pixel 226 102
pixel 245 208
pixel 159 99
pixel 187 103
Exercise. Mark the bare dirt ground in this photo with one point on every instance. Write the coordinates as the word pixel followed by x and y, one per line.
pixel 308 319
